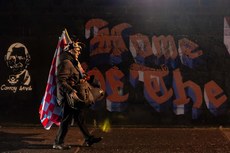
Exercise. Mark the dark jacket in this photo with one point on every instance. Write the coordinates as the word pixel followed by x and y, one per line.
pixel 68 75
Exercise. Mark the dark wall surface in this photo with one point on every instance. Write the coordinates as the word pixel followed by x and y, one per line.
pixel 199 69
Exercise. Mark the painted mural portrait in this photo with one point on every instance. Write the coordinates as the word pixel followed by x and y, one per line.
pixel 17 59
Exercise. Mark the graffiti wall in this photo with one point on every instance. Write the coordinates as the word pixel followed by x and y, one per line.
pixel 154 64
pixel 160 63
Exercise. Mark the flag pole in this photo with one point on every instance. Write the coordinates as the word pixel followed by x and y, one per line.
pixel 67 35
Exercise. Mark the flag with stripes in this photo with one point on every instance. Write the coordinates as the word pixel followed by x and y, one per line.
pixel 49 110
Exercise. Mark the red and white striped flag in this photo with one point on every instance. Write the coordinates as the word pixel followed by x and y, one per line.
pixel 49 110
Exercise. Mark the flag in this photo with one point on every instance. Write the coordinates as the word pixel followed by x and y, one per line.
pixel 49 110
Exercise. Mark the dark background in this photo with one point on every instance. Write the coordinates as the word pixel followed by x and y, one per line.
pixel 38 25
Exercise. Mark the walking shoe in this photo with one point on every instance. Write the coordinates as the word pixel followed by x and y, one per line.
pixel 61 147
pixel 92 140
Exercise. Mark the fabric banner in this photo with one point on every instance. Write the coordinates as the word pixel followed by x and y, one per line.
pixel 49 110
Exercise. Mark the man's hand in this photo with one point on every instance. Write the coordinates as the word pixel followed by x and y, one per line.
pixel 73 95
pixel 82 80
pixel 74 101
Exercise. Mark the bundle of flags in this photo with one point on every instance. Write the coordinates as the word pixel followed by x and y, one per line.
pixel 49 110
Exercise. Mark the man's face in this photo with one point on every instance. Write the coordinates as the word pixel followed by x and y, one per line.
pixel 76 52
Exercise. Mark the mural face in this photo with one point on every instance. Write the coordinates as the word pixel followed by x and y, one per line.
pixel 17 60
pixel 155 66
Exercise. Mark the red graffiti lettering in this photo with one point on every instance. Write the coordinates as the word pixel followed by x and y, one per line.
pixel 117 40
pixel 112 43
pixel 155 86
pixel 189 48
pixel 98 75
pixel 103 41
pixel 179 89
pixel 96 24
pixel 214 94
pixel 140 46
pixel 164 46
pixel 106 41
pixel 113 79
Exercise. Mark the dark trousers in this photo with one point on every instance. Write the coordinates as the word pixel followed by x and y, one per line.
pixel 68 115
